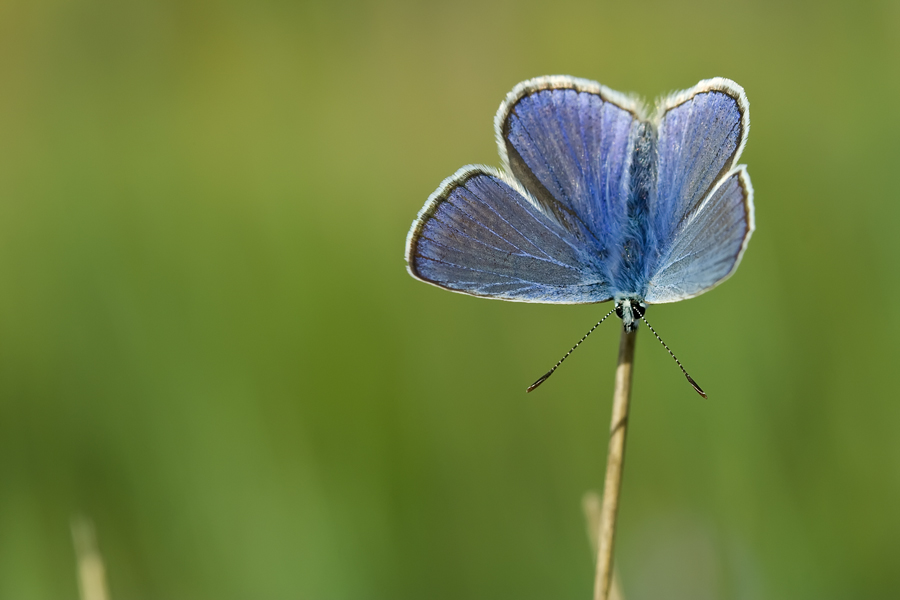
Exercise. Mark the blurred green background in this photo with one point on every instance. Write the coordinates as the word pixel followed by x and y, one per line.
pixel 210 346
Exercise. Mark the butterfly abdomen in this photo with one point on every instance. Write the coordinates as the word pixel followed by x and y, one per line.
pixel 631 276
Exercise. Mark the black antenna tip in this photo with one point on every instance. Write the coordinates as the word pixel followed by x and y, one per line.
pixel 534 385
pixel 696 387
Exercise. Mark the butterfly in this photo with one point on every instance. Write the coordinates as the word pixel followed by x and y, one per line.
pixel 597 199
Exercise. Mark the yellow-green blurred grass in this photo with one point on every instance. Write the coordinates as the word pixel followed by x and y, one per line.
pixel 209 344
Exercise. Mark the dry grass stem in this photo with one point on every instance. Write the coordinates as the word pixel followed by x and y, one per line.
pixel 615 461
pixel 91 572
pixel 591 506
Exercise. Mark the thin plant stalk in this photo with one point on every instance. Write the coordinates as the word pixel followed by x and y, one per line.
pixel 91 572
pixel 590 503
pixel 615 461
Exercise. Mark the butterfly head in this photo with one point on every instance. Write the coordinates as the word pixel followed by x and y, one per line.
pixel 630 310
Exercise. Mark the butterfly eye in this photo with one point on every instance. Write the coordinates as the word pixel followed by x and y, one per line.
pixel 639 309
pixel 619 310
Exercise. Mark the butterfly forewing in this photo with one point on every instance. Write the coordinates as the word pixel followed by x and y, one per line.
pixel 709 243
pixel 480 235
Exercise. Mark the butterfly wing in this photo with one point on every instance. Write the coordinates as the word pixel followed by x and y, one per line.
pixel 544 230
pixel 480 234
pixel 702 215
pixel 709 243
pixel 568 142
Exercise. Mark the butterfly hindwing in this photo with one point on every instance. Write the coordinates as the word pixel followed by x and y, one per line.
pixel 568 141
pixel 479 234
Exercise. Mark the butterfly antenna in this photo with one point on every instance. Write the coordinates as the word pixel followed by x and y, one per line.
pixel 680 366
pixel 547 375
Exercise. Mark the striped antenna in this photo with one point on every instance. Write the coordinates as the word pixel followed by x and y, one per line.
pixel 680 366
pixel 547 375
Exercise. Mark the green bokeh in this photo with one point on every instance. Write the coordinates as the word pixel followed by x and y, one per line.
pixel 210 346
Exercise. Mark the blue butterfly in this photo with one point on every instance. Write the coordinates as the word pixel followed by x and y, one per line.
pixel 596 200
